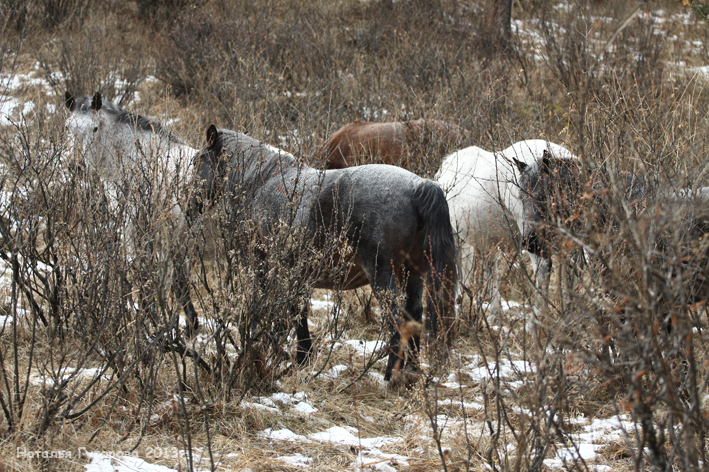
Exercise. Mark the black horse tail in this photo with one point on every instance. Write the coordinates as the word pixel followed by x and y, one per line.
pixel 442 256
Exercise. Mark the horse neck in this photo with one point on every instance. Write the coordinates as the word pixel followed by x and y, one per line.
pixel 508 185
pixel 135 145
pixel 180 160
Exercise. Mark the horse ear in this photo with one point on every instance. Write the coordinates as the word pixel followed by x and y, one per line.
pixel 520 165
pixel 96 102
pixel 212 134
pixel 546 161
pixel 69 101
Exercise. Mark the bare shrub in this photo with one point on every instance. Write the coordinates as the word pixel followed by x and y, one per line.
pixel 628 322
pixel 21 16
pixel 90 58
pixel 85 321
pixel 159 12
pixel 62 281
pixel 259 288
pixel 58 12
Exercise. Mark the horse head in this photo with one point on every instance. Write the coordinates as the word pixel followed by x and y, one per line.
pixel 551 188
pixel 210 169
pixel 86 129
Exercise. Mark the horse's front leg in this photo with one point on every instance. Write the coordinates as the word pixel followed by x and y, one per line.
pixel 182 289
pixel 305 344
pixel 182 269
pixel 542 272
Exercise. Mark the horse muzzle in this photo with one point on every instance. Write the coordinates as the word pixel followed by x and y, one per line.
pixel 536 244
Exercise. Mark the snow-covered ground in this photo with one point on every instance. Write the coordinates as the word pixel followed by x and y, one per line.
pixel 391 453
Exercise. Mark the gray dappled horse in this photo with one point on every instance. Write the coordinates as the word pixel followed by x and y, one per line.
pixel 556 203
pixel 490 207
pixel 395 223
pixel 127 149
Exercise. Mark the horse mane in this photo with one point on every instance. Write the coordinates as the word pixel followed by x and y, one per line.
pixel 143 123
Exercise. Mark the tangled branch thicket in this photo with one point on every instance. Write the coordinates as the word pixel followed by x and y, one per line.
pixel 91 330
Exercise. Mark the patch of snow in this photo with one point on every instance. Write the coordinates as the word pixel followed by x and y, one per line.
pixel 304 408
pixel 595 436
pixel 365 348
pixel 297 402
pixel 7 109
pixel 282 435
pixel 344 436
pixel 42 379
pixel 373 464
pixel 466 405
pixel 258 406
pixel 326 304
pixel 605 429
pixel 569 455
pixel 335 371
pixel 296 460
pixel 105 463
pixel 370 457
pixel 377 377
pixel 505 368
pixel 452 385
pixel 452 382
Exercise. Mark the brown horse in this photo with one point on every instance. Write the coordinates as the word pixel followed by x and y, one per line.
pixel 396 143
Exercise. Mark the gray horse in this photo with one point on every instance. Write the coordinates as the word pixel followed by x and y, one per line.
pixel 396 226
pixel 556 204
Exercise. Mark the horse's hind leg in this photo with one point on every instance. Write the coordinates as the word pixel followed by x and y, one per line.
pixel 491 278
pixel 405 326
pixel 413 314
pixel 383 283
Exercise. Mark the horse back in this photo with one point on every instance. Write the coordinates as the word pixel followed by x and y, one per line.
pixel 375 189
pixel 363 142
pixel 374 205
pixel 375 214
pixel 393 143
pixel 436 135
pixel 479 189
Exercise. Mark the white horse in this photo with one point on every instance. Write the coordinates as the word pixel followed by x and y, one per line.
pixel 489 204
pixel 125 149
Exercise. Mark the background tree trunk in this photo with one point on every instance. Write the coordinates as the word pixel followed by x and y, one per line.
pixel 499 31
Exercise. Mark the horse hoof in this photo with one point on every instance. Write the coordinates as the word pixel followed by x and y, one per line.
pixel 190 331
pixel 493 319
pixel 302 358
